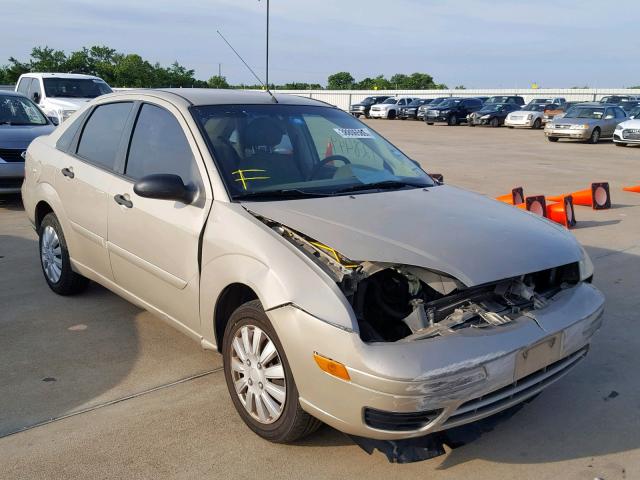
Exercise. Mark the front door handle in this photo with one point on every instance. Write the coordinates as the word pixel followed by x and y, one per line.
pixel 122 200
pixel 68 172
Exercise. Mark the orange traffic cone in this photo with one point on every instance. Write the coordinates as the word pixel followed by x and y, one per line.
pixel 514 198
pixel 635 189
pixel 597 197
pixel 535 204
pixel 329 150
pixel 438 177
pixel 562 212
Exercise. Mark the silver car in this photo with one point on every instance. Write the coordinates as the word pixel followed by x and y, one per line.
pixel 590 122
pixel 339 281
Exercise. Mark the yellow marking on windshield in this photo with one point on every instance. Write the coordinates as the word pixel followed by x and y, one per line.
pixel 244 179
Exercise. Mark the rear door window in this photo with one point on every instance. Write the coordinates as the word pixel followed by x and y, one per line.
pixel 102 133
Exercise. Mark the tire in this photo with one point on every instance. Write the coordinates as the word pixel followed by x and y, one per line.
pixel 453 120
pixel 429 123
pixel 494 122
pixel 291 423
pixel 595 136
pixel 537 124
pixel 470 124
pixel 391 115
pixel 55 261
pixel 619 144
pixel 553 139
pixel 510 128
pixel 403 118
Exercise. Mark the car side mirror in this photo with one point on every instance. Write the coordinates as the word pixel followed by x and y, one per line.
pixel 163 186
pixel 54 120
pixel 36 97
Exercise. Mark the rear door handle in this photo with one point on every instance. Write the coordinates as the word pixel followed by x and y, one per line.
pixel 68 172
pixel 122 200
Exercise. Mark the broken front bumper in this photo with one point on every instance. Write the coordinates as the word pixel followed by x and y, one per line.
pixel 409 389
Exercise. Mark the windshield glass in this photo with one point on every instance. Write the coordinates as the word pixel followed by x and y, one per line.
pixel 535 107
pixel 449 103
pixel 75 87
pixel 585 112
pixel 293 150
pixel 368 101
pixel 16 110
pixel 634 112
pixel 540 100
pixel 418 102
pixel 391 100
pixel 494 100
pixel 493 107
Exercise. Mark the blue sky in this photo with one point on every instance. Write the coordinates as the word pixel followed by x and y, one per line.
pixel 481 44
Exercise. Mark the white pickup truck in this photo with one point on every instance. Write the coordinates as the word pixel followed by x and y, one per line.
pixel 389 108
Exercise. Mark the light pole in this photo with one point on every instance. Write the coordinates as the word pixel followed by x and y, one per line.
pixel 267 53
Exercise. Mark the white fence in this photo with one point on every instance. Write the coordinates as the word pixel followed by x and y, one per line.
pixel 344 98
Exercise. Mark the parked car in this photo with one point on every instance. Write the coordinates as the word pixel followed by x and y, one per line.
pixel 389 108
pixel 501 99
pixel 530 116
pixel 492 114
pixel 346 287
pixel 618 99
pixel 590 122
pixel 452 111
pixel 423 108
pixel 557 111
pixel 364 106
pixel 411 110
pixel 629 105
pixel 545 101
pixel 483 99
pixel 60 94
pixel 634 113
pixel 20 122
pixel 628 132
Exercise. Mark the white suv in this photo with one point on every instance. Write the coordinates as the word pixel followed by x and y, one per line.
pixel 390 107
pixel 61 94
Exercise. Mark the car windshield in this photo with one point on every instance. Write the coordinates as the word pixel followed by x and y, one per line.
pixel 17 110
pixel 417 103
pixel 392 101
pixel 585 112
pixel 449 103
pixel 368 101
pixel 634 112
pixel 494 100
pixel 293 151
pixel 75 87
pixel 493 107
pixel 535 107
pixel 539 100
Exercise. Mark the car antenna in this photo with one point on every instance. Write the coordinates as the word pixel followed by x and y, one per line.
pixel 273 97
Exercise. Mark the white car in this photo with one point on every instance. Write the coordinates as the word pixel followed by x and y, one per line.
pixel 531 116
pixel 627 133
pixel 390 107
pixel 60 94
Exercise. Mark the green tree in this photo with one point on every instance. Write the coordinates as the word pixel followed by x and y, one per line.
pixel 218 81
pixel 45 59
pixel 340 81
pixel 459 87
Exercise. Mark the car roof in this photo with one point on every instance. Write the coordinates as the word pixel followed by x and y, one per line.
pixel 59 75
pixel 211 96
pixel 11 93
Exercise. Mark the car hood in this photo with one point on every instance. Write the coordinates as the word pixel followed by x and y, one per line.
pixel 579 121
pixel 66 103
pixel 463 234
pixel 633 123
pixel 20 136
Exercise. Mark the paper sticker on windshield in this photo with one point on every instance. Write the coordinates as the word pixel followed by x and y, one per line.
pixel 353 132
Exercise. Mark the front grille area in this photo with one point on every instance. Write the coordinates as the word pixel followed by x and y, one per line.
pixel 12 154
pixel 398 421
pixel 515 393
pixel 10 183
pixel 562 125
pixel 631 134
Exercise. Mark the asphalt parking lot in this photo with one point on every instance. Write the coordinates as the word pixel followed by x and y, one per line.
pixel 118 394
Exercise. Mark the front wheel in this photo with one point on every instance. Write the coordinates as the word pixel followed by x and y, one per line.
pixel 494 122
pixel 553 139
pixel 55 260
pixel 537 124
pixel 619 144
pixel 595 136
pixel 453 120
pixel 391 115
pixel 259 378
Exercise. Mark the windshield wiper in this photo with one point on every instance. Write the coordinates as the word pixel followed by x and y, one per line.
pixel 280 194
pixel 385 184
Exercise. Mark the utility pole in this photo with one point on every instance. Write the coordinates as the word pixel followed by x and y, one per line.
pixel 267 53
pixel 219 70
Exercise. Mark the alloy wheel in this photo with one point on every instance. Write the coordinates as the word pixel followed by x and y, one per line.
pixel 51 254
pixel 258 374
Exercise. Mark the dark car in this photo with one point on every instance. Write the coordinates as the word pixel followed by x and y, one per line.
pixel 618 99
pixel 364 106
pixel 514 99
pixel 432 103
pixel 411 110
pixel 484 99
pixel 492 114
pixel 20 122
pixel 452 111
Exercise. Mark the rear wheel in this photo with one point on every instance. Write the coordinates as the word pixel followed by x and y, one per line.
pixel 553 139
pixel 259 379
pixel 595 136
pixel 55 260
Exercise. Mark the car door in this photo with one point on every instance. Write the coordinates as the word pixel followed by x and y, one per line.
pixel 609 122
pixel 85 170
pixel 620 117
pixel 153 244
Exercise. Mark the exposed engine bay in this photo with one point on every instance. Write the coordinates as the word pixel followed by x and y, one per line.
pixel 404 303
